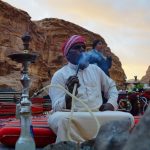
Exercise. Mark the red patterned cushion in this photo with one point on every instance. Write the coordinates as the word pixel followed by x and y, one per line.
pixel 9 109
pixel 43 135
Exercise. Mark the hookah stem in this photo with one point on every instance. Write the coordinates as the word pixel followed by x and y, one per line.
pixel 75 85
pixel 72 107
pixel 78 67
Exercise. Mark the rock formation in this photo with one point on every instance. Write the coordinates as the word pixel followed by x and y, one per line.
pixel 146 78
pixel 47 38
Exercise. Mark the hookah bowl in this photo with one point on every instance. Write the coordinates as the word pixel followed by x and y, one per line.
pixel 25 140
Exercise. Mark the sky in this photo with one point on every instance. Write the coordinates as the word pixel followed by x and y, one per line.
pixel 124 24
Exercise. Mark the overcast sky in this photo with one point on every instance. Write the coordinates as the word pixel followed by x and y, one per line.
pixel 124 24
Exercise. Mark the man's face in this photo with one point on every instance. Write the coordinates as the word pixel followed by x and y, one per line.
pixel 99 46
pixel 75 52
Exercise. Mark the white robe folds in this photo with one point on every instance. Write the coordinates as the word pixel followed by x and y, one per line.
pixel 83 126
pixel 92 81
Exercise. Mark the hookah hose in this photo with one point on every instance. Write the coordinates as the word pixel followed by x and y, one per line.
pixel 72 107
pixel 71 115
pixel 77 99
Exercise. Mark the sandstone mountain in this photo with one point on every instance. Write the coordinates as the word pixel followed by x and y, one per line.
pixel 47 38
pixel 146 78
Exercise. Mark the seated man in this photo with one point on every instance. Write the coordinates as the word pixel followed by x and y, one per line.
pixel 90 81
pixel 97 57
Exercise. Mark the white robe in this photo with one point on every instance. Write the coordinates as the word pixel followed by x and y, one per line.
pixel 92 81
pixel 83 126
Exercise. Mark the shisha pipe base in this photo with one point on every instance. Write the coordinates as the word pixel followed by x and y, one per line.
pixel 25 141
pixel 25 144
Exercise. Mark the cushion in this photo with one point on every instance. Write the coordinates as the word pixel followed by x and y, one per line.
pixel 43 135
pixel 9 109
pixel 39 106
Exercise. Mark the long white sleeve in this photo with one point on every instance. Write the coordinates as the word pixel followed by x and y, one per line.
pixel 109 88
pixel 57 95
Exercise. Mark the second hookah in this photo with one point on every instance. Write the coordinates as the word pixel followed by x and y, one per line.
pixel 26 140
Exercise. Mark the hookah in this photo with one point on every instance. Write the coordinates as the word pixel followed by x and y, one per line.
pixel 126 102
pixel 139 105
pixel 25 141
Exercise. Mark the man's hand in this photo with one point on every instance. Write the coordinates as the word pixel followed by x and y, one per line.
pixel 72 80
pixel 106 106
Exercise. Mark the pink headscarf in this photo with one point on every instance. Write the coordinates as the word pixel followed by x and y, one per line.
pixel 70 42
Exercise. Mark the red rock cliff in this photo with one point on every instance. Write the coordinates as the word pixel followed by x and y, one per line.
pixel 47 38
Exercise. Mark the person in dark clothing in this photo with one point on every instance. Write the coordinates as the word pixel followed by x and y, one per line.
pixel 97 57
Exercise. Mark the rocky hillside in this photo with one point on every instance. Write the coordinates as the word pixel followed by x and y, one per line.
pixel 47 38
pixel 146 78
